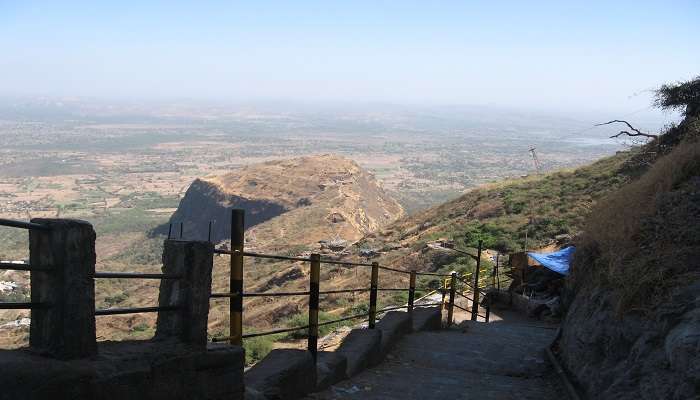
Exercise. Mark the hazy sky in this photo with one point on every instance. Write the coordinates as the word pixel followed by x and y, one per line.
pixel 557 54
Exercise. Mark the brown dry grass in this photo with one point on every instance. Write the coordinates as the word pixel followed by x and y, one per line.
pixel 645 238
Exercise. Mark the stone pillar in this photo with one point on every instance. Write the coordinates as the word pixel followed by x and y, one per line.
pixel 193 262
pixel 62 259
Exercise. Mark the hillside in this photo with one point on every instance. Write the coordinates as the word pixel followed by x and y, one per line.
pixel 543 206
pixel 631 329
pixel 295 202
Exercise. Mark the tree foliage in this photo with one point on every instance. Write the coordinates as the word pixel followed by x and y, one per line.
pixel 682 96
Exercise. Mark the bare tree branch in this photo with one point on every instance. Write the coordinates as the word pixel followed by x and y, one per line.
pixel 637 132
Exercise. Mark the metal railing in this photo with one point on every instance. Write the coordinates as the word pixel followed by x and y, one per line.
pixel 14 266
pixel 134 275
pixel 236 294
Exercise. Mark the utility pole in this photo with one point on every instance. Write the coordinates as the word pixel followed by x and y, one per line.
pixel 535 160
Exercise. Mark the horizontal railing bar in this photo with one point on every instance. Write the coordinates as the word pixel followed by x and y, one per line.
pixel 344 319
pixel 134 275
pixel 21 306
pixel 343 291
pixel 432 274
pixel 290 258
pixel 220 295
pixel 273 332
pixel 252 335
pixel 461 308
pixel 21 267
pixel 323 261
pixel 134 310
pixel 269 294
pixel 275 257
pixel 392 289
pixel 222 251
pixel 403 271
pixel 21 224
pixel 276 294
pixel 468 298
pixel 349 263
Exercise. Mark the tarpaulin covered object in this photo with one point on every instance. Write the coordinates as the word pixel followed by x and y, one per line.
pixel 558 261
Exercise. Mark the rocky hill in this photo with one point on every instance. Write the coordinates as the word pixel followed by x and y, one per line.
pixel 295 202
pixel 632 329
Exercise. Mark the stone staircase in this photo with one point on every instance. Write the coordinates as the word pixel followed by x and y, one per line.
pixel 503 359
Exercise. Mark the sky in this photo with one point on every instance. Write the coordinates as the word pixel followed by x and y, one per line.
pixel 588 55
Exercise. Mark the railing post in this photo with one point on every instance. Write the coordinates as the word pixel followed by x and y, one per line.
pixel 488 307
pixel 236 283
pixel 411 291
pixel 315 279
pixel 475 303
pixel 63 262
pixel 443 290
pixel 498 278
pixel 373 295
pixel 453 289
pixel 193 262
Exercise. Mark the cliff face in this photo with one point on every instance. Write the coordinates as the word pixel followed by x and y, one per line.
pixel 632 329
pixel 205 201
pixel 294 202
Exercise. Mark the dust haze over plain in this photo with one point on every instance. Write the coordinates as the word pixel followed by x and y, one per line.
pixel 573 57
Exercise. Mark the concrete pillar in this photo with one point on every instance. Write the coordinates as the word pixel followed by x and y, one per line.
pixel 193 262
pixel 63 264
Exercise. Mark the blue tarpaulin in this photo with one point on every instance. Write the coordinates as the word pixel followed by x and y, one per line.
pixel 557 261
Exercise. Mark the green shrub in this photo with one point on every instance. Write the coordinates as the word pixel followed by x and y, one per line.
pixel 142 327
pixel 116 299
pixel 257 348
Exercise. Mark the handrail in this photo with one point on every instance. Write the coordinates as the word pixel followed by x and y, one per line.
pixel 463 309
pixel 134 310
pixel 470 299
pixel 432 274
pixel 394 269
pixel 276 294
pixel 348 263
pixel 22 224
pixel 21 305
pixel 236 292
pixel 344 291
pixel 21 267
pixel 133 275
pixel 12 266
pixel 292 258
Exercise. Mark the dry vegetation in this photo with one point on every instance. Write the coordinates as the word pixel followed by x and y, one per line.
pixel 645 238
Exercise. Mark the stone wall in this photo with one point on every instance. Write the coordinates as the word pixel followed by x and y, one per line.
pixel 64 360
pixel 633 356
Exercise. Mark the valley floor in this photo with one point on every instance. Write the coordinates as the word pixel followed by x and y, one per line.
pixel 503 359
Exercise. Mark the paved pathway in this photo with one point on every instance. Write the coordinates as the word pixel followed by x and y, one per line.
pixel 503 359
